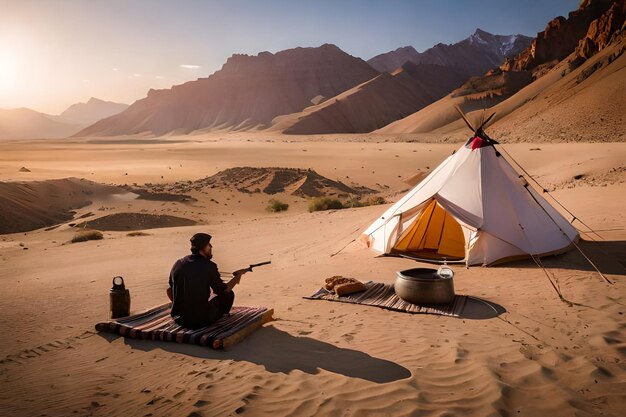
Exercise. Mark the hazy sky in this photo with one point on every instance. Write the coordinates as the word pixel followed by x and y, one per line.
pixel 57 52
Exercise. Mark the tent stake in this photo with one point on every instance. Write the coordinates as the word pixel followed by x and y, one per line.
pixel 558 291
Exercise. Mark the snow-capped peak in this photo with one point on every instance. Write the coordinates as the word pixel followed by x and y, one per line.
pixel 476 37
pixel 507 44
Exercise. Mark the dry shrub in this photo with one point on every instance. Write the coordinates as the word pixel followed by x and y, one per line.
pixel 275 206
pixel 85 235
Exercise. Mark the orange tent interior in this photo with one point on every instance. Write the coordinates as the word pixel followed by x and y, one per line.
pixel 434 235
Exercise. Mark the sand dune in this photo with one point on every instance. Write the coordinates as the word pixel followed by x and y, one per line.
pixel 135 221
pixel 299 182
pixel 32 205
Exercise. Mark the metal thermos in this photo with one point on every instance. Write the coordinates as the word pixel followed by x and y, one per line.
pixel 120 299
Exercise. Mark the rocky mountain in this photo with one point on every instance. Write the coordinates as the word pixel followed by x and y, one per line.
pixel 375 103
pixel 90 112
pixel 390 61
pixel 570 83
pixel 562 36
pixel 29 124
pixel 586 103
pixel 248 92
pixel 472 56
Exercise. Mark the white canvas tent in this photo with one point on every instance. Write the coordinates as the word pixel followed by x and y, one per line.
pixel 473 208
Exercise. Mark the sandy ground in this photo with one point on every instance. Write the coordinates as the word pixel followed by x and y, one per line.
pixel 540 357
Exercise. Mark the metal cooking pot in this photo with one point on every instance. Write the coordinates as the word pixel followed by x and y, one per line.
pixel 424 286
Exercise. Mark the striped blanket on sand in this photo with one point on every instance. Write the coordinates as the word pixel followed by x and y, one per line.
pixel 157 324
pixel 384 296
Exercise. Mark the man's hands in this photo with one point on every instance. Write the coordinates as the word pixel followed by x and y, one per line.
pixel 240 272
pixel 236 278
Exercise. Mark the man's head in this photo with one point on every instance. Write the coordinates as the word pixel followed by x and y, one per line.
pixel 201 245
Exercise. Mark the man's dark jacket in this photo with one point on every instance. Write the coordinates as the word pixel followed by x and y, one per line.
pixel 192 279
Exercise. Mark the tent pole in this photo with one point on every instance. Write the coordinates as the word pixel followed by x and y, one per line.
pixel 567 237
pixel 592 264
pixel 348 244
pixel 344 246
pixel 558 291
pixel 553 221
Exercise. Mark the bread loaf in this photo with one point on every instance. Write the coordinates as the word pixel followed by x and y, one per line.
pixel 348 285
pixel 332 282
pixel 349 288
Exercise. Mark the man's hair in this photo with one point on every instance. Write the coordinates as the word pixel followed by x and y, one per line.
pixel 199 241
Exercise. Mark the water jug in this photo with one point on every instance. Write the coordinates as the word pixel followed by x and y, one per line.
pixel 120 299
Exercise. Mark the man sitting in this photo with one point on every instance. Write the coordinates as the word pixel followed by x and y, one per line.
pixel 198 294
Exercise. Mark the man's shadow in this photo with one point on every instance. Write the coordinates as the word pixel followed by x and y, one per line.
pixel 279 351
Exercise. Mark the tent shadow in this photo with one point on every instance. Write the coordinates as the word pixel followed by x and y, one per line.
pixel 281 352
pixel 479 309
pixel 608 255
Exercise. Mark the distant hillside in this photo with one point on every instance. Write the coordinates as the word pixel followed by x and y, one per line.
pixel 90 112
pixel 581 97
pixel 28 124
pixel 472 56
pixel 248 92
pixel 375 103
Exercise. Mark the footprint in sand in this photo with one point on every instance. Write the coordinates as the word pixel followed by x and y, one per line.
pixel 461 354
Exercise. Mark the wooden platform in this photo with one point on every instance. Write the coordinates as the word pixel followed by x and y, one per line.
pixel 157 324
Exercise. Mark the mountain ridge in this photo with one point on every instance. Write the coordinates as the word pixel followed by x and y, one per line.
pixel 471 56
pixel 246 93
pixel 91 111
pixel 375 103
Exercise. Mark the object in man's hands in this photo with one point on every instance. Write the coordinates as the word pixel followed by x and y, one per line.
pixel 342 285
pixel 259 264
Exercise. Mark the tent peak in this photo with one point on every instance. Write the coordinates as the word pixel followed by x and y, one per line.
pixel 479 140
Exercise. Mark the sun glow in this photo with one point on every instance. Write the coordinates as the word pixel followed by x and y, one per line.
pixel 13 51
pixel 8 71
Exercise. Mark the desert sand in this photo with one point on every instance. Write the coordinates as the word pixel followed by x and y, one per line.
pixel 540 357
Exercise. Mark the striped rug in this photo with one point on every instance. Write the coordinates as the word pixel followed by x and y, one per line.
pixel 157 324
pixel 384 296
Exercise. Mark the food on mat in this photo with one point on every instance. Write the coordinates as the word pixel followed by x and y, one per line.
pixel 342 285
pixel 349 288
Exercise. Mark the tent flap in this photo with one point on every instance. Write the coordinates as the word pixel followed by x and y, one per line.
pixel 434 234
